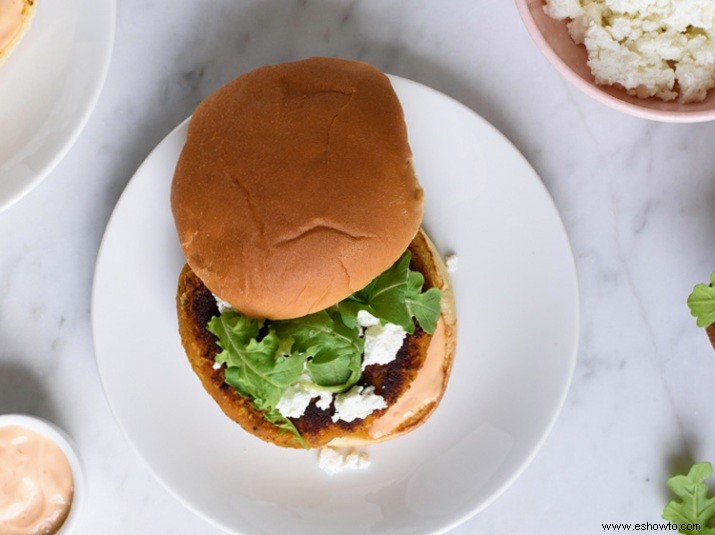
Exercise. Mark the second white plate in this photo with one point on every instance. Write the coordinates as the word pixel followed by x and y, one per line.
pixel 48 88
pixel 517 306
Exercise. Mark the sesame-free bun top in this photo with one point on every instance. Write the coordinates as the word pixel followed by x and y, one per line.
pixel 295 187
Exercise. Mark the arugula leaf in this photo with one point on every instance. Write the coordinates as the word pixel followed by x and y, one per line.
pixel 273 416
pixel 254 368
pixel 333 349
pixel 396 297
pixel 694 506
pixel 349 308
pixel 423 306
pixel 257 370
pixel 702 303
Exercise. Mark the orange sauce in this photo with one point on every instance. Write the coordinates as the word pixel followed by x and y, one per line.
pixel 36 483
pixel 426 388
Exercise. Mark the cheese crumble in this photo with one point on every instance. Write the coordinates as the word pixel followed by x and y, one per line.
pixel 332 461
pixel 358 402
pixel 452 263
pixel 298 396
pixel 223 306
pixel 651 48
pixel 382 342
pixel 365 319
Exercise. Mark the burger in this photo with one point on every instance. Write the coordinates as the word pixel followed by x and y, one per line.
pixel 312 306
pixel 15 18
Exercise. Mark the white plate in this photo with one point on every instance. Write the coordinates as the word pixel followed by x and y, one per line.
pixel 48 87
pixel 518 320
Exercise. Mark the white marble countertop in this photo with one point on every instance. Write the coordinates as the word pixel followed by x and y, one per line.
pixel 637 199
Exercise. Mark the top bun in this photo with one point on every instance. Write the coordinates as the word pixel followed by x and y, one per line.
pixel 295 187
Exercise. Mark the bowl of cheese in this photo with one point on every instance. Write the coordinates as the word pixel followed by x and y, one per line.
pixel 654 60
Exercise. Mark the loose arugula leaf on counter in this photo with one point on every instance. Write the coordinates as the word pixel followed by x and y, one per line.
pixel 258 370
pixel 694 506
pixel 702 303
pixel 396 297
pixel 334 350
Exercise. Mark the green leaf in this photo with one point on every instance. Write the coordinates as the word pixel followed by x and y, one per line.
pixel 396 297
pixel 386 294
pixel 334 373
pixel 232 328
pixel 273 416
pixel 332 348
pixel 694 506
pixel 423 306
pixel 702 303
pixel 349 309
pixel 256 369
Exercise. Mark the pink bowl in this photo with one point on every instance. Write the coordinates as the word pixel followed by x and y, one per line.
pixel 552 37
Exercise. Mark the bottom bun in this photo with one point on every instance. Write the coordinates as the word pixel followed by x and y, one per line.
pixel 412 385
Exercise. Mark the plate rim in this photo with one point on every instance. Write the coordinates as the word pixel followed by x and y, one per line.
pixel 572 349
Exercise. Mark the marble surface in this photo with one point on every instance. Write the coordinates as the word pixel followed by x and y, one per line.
pixel 637 199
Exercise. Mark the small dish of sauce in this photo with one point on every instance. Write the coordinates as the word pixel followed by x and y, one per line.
pixel 39 472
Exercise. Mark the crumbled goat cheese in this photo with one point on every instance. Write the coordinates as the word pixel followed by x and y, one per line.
pixel 358 402
pixel 223 306
pixel 663 48
pixel 333 461
pixel 217 365
pixel 365 319
pixel 382 342
pixel 452 262
pixel 297 398
pixel 324 400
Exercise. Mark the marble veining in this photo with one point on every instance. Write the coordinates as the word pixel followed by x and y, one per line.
pixel 637 199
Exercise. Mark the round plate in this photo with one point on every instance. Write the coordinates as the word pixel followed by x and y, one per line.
pixel 517 307
pixel 48 87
